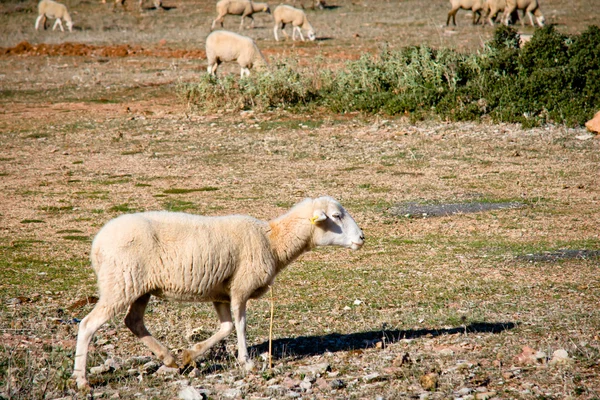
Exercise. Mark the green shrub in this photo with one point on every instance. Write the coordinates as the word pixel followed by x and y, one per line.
pixel 553 78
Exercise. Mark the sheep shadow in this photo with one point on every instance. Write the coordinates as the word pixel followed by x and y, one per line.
pixel 323 39
pixel 306 346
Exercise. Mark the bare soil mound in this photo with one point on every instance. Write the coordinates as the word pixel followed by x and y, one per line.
pixel 79 49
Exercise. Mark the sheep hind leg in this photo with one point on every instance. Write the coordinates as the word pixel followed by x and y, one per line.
pixel 135 322
pixel 37 22
pixel 226 328
pixel 101 313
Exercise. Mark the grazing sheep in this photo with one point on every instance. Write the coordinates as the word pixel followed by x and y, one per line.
pixel 492 8
pixel 285 14
pixel 477 6
pixel 229 46
pixel 245 8
pixel 223 260
pixel 52 9
pixel 157 3
pixel 529 7
pixel 314 4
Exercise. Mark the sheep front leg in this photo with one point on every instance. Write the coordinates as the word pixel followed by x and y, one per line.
pixel 224 314
pixel 59 23
pixel 239 313
pixel 38 20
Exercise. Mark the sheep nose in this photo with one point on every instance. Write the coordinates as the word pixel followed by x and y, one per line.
pixel 362 237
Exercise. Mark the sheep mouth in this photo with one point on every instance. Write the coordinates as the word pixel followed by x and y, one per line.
pixel 356 246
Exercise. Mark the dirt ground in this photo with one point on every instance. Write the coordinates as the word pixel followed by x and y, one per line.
pixel 455 305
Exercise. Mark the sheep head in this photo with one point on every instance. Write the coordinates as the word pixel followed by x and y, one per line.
pixel 334 225
pixel 311 35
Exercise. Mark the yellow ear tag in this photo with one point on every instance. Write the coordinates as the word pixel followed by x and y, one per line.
pixel 313 220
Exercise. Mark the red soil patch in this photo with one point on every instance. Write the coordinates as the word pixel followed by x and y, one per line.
pixel 79 49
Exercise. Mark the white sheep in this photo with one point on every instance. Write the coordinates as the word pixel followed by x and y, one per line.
pixel 476 6
pixel 52 9
pixel 157 3
pixel 314 4
pixel 284 14
pixel 229 46
pixel 245 8
pixel 224 260
pixel 529 7
pixel 492 8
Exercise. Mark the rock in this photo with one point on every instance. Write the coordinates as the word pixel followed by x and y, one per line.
pixel 290 383
pixel 99 369
pixel 560 357
pixel 374 377
pixel 112 364
pixel 275 390
pixel 429 381
pixel 593 125
pixel 190 393
pixel 195 373
pixel 305 385
pixel 150 367
pixel 232 393
pixel 337 384
pixel 464 391
pixel 164 370
pixel 316 369
pixel 485 395
pixel 293 395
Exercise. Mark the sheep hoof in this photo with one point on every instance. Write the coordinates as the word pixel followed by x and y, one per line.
pixel 187 357
pixel 249 366
pixel 79 383
pixel 170 361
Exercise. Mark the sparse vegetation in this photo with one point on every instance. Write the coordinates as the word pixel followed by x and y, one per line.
pixel 437 306
pixel 551 79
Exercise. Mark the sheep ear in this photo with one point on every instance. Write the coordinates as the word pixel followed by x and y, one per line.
pixel 318 216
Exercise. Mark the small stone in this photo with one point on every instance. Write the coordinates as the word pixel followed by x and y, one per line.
pixel 464 391
pixel 560 357
pixel 337 384
pixel 374 377
pixel 99 369
pixel 293 395
pixel 485 395
pixel 195 373
pixel 290 383
pixel 305 385
pixel 190 393
pixel 164 370
pixel 316 369
pixel 275 390
pixel 112 364
pixel 150 367
pixel 232 393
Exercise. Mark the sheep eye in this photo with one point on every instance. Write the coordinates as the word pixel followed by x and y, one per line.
pixel 336 216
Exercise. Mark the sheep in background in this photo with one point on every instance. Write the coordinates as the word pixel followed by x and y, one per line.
pixel 51 9
pixel 157 3
pixel 223 260
pixel 529 7
pixel 285 14
pixel 314 4
pixel 229 46
pixel 492 8
pixel 477 6
pixel 245 8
